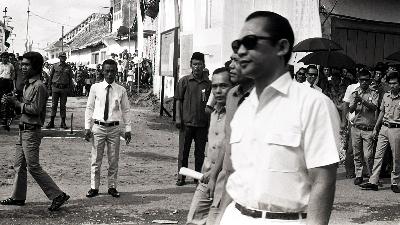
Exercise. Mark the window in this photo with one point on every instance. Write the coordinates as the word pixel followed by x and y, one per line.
pixel 117 5
pixel 95 58
pixel 103 56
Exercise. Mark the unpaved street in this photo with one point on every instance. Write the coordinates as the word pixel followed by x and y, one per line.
pixel 147 173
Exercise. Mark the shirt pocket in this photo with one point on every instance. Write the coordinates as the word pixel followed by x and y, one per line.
pixel 282 151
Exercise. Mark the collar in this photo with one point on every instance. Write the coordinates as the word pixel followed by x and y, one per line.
pixel 394 96
pixel 33 79
pixel 104 84
pixel 244 88
pixel 281 85
pixel 219 108
pixel 191 77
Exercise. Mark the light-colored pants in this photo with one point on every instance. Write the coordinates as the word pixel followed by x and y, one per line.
pixel 200 206
pixel 233 216
pixel 363 149
pixel 27 158
pixel 387 136
pixel 101 136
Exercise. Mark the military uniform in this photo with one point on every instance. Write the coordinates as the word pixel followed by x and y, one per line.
pixel 61 83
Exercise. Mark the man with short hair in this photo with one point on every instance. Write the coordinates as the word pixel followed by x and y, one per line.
pixel 389 133
pixel 107 105
pixel 203 198
pixel 311 77
pixel 60 83
pixel 191 96
pixel 33 110
pixel 301 75
pixel 363 102
pixel 284 138
pixel 7 74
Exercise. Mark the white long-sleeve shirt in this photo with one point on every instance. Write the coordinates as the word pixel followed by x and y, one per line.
pixel 119 106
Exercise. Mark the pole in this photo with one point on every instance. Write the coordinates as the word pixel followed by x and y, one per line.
pixel 62 38
pixel 138 83
pixel 129 28
pixel 4 17
pixel 27 25
pixel 72 118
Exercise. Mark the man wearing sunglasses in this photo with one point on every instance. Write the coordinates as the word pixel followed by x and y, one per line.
pixel 301 75
pixel 311 77
pixel 284 136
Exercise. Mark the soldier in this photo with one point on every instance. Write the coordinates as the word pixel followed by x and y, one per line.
pixel 60 84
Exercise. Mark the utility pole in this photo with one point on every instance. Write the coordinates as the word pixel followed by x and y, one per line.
pixel 4 17
pixel 129 28
pixel 27 26
pixel 62 38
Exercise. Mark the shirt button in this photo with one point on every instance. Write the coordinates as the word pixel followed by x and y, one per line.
pixel 216 133
pixel 213 147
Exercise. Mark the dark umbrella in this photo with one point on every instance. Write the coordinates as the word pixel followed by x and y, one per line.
pixel 316 44
pixel 395 56
pixel 329 59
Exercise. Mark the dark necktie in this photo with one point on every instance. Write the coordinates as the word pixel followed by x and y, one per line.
pixel 107 103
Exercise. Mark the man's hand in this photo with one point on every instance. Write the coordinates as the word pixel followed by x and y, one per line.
pixel 205 178
pixel 87 134
pixel 128 137
pixel 13 100
pixel 211 187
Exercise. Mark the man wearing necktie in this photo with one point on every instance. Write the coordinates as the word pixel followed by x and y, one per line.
pixel 107 105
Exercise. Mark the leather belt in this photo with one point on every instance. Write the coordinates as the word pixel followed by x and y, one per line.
pixel 28 126
pixel 364 127
pixel 391 125
pixel 110 124
pixel 270 215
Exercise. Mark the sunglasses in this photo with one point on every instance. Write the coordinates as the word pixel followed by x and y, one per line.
pixel 249 42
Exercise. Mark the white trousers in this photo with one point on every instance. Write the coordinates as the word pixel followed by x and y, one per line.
pixel 233 216
pixel 103 136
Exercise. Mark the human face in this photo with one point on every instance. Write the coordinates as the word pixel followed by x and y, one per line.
pixel 5 60
pixel 301 76
pixel 234 69
pixel 364 81
pixel 63 59
pixel 261 60
pixel 394 85
pixel 220 86
pixel 327 72
pixel 378 76
pixel 312 75
pixel 197 67
pixel 109 72
pixel 26 67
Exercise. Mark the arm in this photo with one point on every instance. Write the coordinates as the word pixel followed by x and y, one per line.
pixel 178 114
pixel 90 108
pixel 125 109
pixel 322 194
pixel 51 77
pixel 36 106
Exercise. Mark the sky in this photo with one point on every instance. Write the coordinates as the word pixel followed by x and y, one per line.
pixel 41 31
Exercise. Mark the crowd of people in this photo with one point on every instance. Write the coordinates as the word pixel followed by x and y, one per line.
pixel 275 137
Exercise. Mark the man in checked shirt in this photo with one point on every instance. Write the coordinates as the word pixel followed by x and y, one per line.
pixel 107 105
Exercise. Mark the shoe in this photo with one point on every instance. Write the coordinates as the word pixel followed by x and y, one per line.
pixel 92 193
pixel 180 182
pixel 196 181
pixel 10 201
pixel 113 192
pixel 369 186
pixel 50 125
pixel 58 202
pixel 358 181
pixel 63 126
pixel 395 188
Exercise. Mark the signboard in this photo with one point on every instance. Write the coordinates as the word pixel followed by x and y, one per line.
pixel 168 46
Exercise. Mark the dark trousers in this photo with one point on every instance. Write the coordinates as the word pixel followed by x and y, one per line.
pixel 27 159
pixel 349 160
pixel 59 95
pixel 186 135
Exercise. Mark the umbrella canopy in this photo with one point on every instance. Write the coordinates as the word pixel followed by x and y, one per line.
pixel 316 44
pixel 329 59
pixel 395 56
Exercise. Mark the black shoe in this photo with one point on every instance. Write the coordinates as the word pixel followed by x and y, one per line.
pixel 92 193
pixel 113 192
pixel 50 125
pixel 358 181
pixel 63 126
pixel 10 201
pixel 180 182
pixel 58 202
pixel 395 188
pixel 369 186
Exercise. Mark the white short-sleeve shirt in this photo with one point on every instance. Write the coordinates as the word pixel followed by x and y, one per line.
pixel 346 98
pixel 275 139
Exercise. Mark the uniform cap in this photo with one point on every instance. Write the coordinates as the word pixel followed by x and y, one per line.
pixel 62 54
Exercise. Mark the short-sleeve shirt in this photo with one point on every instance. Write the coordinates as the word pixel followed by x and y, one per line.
pixel 275 139
pixel 193 93
pixel 363 114
pixel 346 98
pixel 391 106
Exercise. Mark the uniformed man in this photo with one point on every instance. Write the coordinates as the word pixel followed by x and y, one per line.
pixel 364 102
pixel 192 121
pixel 389 133
pixel 284 138
pixel 60 83
pixel 33 110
